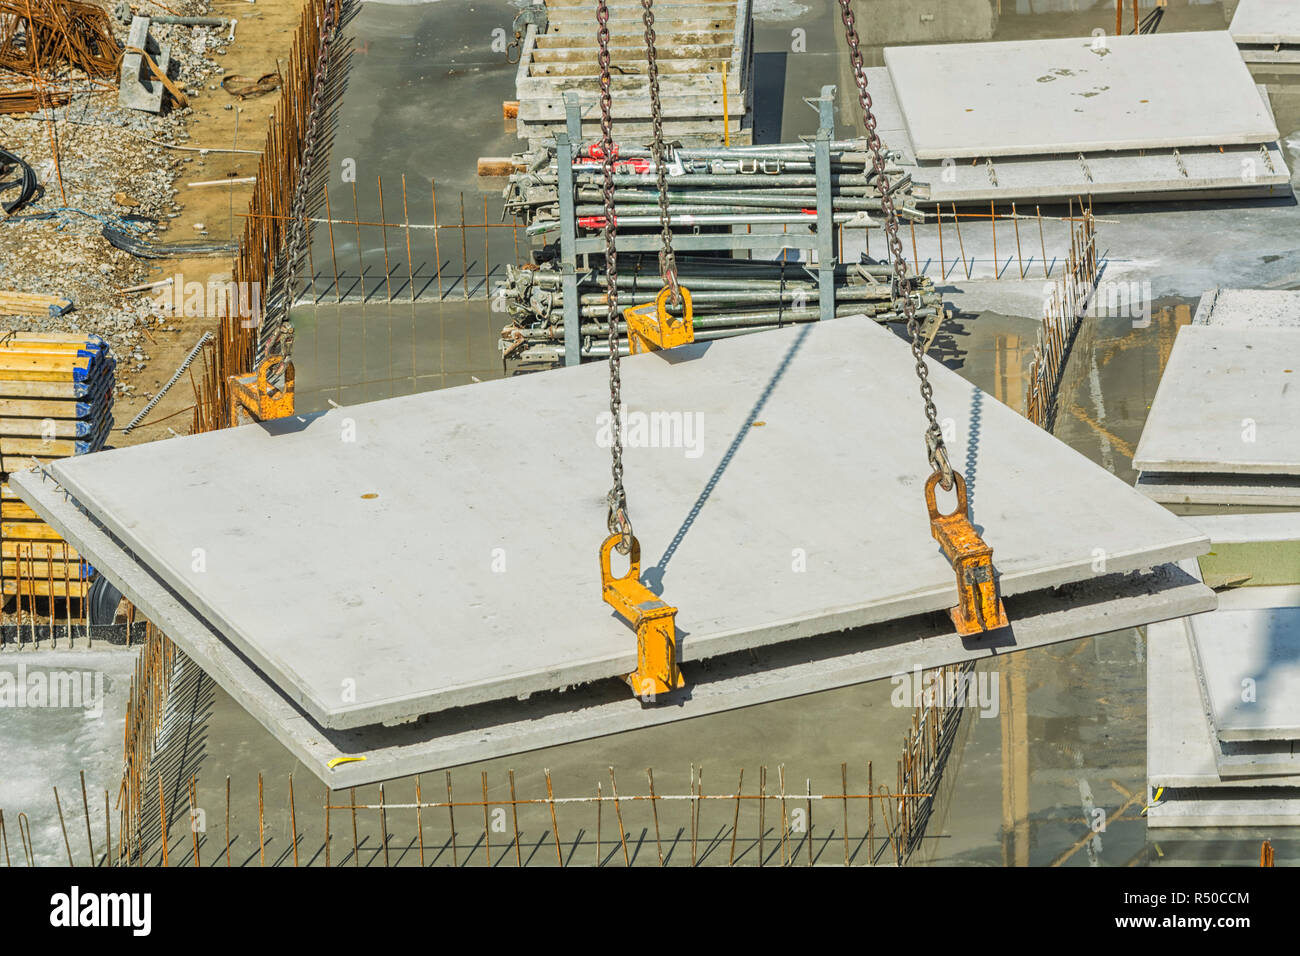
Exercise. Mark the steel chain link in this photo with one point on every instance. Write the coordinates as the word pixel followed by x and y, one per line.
pixel 617 519
pixel 667 260
pixel 935 448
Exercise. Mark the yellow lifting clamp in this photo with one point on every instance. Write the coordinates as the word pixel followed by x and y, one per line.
pixel 979 607
pixel 254 399
pixel 654 619
pixel 650 327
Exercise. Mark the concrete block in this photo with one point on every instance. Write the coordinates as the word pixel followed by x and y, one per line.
pixel 140 89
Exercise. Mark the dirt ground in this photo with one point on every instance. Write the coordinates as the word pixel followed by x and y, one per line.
pixel 114 162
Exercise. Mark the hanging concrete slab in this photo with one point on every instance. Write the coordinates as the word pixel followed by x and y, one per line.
pixel 439 550
pixel 343 758
pixel 1083 94
pixel 1222 427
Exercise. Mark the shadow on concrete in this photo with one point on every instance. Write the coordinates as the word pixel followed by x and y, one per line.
pixel 654 576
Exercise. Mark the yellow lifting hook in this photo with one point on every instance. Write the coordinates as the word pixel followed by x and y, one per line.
pixel 654 620
pixel 254 399
pixel 979 607
pixel 650 327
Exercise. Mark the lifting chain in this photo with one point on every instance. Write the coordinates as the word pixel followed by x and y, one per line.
pixel 935 449
pixel 667 261
pixel 617 518
pixel 979 607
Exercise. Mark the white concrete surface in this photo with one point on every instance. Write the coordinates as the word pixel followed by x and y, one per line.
pixel 1176 488
pixel 1249 664
pixel 1203 171
pixel 1248 528
pixel 1228 403
pixel 1249 309
pixel 1075 95
pixel 1261 807
pixel 373 608
pixel 1181 749
pixel 1104 604
pixel 1266 21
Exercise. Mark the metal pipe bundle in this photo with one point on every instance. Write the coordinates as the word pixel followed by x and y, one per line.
pixel 729 297
pixel 741 185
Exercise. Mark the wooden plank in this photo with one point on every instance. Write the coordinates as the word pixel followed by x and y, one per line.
pixel 678 51
pixel 27 531
pixel 48 408
pixel 666 68
pixel 18 549
pixel 547 110
pixel 499 166
pixel 554 87
pixel 556 7
pixel 41 588
pixel 629 41
pixel 584 17
pixel 47 428
pixel 31 303
pixel 22 339
pixel 634 27
pixel 66 338
pixel 10 388
pixel 12 463
pixel 27 367
pixel 700 126
pixel 36 568
pixel 17 509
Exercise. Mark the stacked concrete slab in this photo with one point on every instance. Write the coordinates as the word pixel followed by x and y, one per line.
pixel 1267 31
pixel 704 53
pixel 1222 428
pixel 1223 692
pixel 367 584
pixel 1043 120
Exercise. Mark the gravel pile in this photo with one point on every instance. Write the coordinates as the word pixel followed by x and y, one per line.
pixel 109 171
